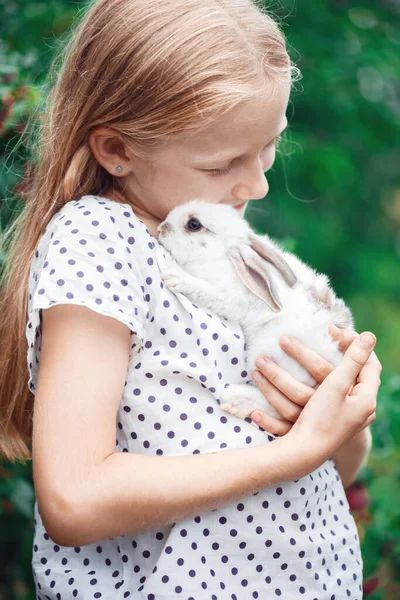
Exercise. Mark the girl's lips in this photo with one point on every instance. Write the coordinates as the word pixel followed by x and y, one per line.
pixel 239 206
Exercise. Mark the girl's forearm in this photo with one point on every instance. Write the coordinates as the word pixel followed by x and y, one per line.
pixel 353 455
pixel 129 493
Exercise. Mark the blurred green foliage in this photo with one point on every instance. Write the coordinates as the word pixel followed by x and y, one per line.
pixel 334 200
pixel 336 187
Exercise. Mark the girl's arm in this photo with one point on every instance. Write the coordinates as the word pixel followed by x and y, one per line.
pixel 133 492
pixel 87 492
pixel 352 456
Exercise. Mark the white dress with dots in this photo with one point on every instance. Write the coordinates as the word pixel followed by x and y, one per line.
pixel 295 540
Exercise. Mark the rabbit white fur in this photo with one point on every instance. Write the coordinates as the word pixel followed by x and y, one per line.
pixel 222 265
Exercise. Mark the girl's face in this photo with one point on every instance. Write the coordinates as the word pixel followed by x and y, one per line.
pixel 224 163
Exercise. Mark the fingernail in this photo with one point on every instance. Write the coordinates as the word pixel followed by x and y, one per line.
pixel 368 340
pixel 257 376
pixel 285 341
pixel 262 363
pixel 256 417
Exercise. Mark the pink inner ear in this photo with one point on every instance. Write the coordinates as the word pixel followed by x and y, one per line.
pixel 257 282
pixel 270 254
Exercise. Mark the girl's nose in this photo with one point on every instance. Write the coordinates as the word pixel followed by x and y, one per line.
pixel 254 186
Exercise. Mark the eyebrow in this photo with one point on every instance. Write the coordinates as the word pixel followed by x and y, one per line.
pixel 230 158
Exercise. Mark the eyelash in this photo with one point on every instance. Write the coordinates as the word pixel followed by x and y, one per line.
pixel 219 171
pixel 228 169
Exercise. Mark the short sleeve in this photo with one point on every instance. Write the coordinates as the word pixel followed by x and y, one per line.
pixel 87 256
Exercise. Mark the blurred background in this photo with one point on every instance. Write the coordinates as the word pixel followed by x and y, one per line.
pixel 334 200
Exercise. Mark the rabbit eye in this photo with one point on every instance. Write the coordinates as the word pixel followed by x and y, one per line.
pixel 194 224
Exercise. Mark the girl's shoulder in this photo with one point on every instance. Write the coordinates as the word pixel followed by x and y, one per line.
pixel 100 214
pixel 91 203
pixel 95 224
pixel 95 252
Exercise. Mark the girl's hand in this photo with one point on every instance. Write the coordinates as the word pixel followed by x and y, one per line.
pixel 284 392
pixel 288 395
pixel 341 408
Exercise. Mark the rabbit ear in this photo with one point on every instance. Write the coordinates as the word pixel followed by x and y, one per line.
pixel 253 273
pixel 269 253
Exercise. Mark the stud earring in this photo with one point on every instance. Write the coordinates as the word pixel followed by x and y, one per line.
pixel 119 169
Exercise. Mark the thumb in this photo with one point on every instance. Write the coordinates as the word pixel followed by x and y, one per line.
pixel 353 360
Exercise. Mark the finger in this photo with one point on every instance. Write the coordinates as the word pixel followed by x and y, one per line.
pixel 292 388
pixel 369 381
pixel 374 362
pixel 353 361
pixel 371 371
pixel 370 419
pixel 344 337
pixel 272 424
pixel 317 366
pixel 285 407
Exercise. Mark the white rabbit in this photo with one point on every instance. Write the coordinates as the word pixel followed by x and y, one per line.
pixel 222 265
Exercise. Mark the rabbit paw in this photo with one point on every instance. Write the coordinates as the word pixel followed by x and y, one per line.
pixel 176 279
pixel 241 400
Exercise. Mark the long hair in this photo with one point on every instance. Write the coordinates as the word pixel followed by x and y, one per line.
pixel 148 70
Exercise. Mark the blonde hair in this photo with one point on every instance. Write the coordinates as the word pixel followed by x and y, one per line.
pixel 148 70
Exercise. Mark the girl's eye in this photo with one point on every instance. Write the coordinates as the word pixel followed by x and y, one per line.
pixel 218 171
pixel 275 142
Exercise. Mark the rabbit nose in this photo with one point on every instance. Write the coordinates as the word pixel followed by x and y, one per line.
pixel 164 228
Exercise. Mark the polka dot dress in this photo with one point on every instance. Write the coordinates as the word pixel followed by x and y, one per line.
pixel 295 540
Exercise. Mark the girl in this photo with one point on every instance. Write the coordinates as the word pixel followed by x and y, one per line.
pixel 144 487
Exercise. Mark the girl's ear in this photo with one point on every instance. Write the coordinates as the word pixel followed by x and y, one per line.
pixel 255 273
pixel 109 149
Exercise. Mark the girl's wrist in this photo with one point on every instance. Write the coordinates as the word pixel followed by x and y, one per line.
pixel 313 450
pixel 306 452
